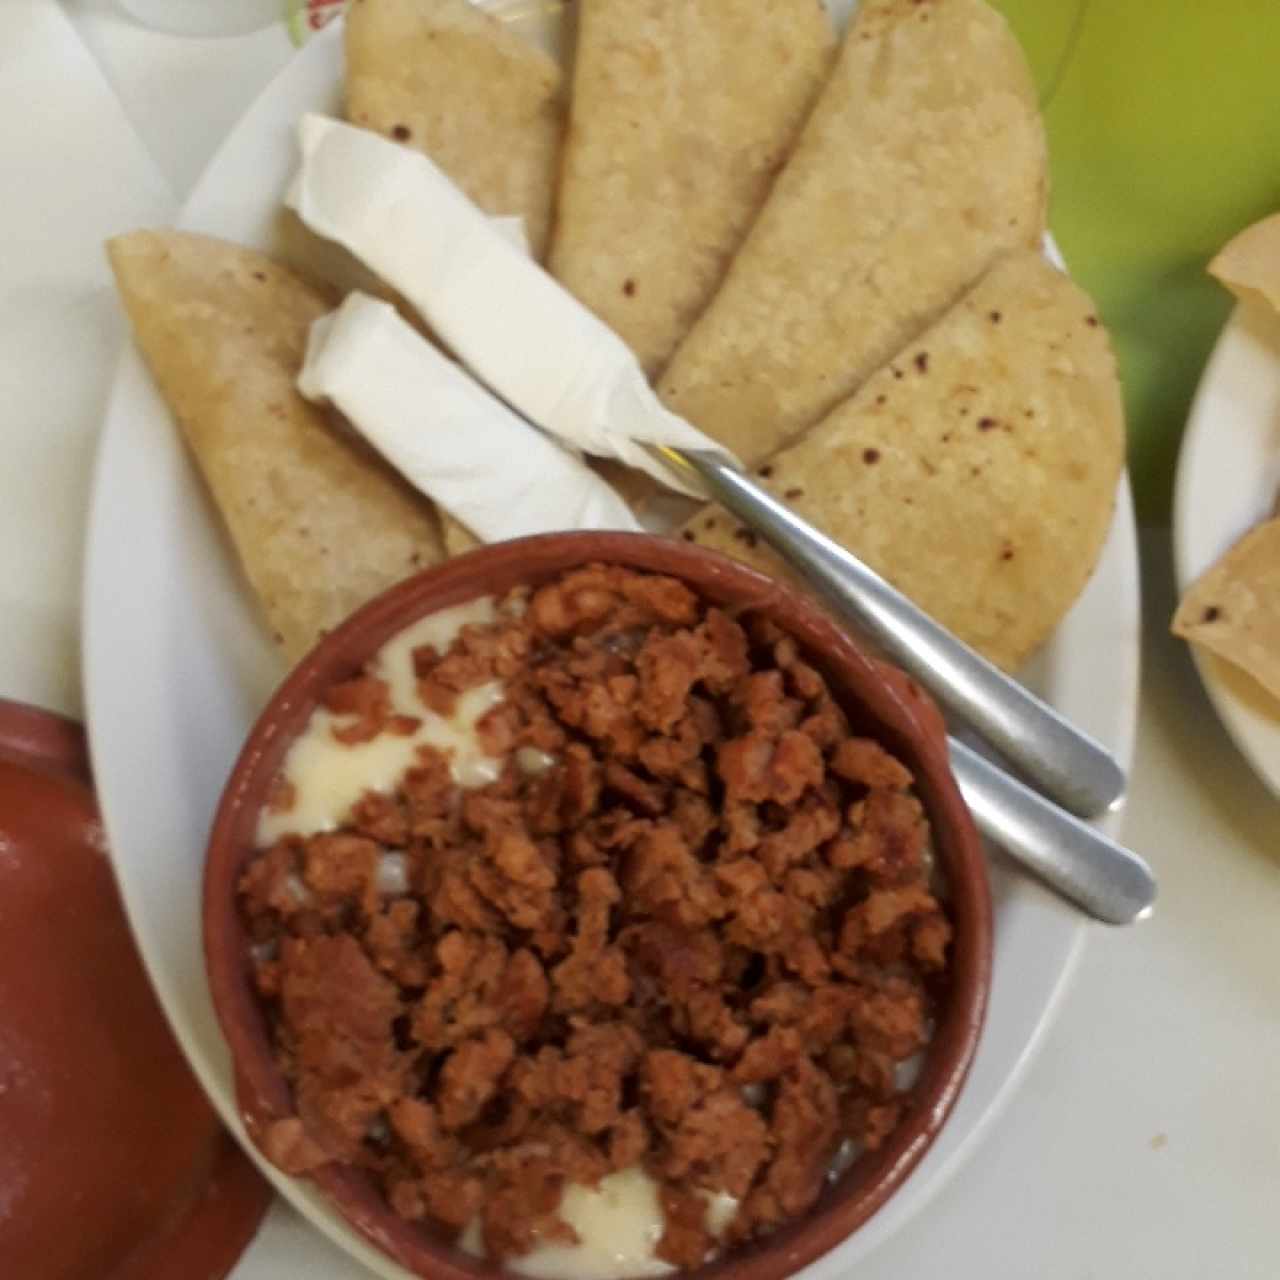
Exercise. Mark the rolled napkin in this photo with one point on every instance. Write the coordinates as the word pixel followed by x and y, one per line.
pixel 513 229
pixel 446 435
pixel 504 317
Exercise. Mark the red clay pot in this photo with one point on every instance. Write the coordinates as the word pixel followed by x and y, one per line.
pixel 113 1165
pixel 878 698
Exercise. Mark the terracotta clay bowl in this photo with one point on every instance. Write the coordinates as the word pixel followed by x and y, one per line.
pixel 113 1165
pixel 879 700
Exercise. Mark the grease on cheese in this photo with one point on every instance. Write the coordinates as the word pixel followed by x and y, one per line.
pixel 328 776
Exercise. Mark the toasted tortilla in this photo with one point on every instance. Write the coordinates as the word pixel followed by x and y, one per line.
pixel 923 161
pixel 682 113
pixel 1249 264
pixel 319 522
pixel 1233 609
pixel 458 539
pixel 977 471
pixel 451 80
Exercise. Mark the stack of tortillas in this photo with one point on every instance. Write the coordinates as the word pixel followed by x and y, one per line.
pixel 1233 609
pixel 826 254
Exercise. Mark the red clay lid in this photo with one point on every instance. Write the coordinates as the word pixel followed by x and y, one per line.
pixel 113 1166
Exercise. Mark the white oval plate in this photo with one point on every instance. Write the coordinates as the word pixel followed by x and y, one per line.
pixel 1228 480
pixel 177 666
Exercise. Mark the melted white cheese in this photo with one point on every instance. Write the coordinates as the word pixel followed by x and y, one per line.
pixel 472 1238
pixel 619 1223
pixel 843 1160
pixel 393 875
pixel 721 1208
pixel 531 761
pixel 907 1072
pixel 328 776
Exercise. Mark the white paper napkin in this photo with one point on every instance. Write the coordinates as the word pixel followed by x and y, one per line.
pixel 74 173
pixel 509 321
pixel 446 434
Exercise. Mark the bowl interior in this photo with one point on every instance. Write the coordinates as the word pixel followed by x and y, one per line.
pixel 879 701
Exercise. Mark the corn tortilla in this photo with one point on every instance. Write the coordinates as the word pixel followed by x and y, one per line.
pixel 1249 263
pixel 458 539
pixel 922 162
pixel 319 522
pixel 682 113
pixel 452 81
pixel 1233 609
pixel 977 471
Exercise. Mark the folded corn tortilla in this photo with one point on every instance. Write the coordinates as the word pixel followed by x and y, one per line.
pixel 319 522
pixel 1233 609
pixel 682 113
pixel 458 539
pixel 1249 263
pixel 922 162
pixel 454 82
pixel 977 471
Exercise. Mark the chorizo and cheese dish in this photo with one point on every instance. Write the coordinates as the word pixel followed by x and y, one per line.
pixel 593 929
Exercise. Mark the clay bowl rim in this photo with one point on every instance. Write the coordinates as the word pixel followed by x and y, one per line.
pixel 905 718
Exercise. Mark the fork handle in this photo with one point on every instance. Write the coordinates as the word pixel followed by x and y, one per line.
pixel 1107 880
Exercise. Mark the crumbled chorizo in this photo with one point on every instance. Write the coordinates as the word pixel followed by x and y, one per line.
pixel 667 881
pixel 757 767
pixel 806 1128
pixel 394 943
pixel 668 667
pixel 685 1241
pixel 338 868
pixel 470 1076
pixel 865 761
pixel 595 972
pixel 417 1125
pixel 691 927
pixel 711 1137
pixel 288 1146
pixel 365 705
pixel 381 818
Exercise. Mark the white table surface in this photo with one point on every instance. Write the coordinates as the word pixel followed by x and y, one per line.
pixel 1145 1139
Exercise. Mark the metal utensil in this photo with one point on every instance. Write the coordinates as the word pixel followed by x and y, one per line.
pixel 1102 877
pixel 1107 880
pixel 1064 763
